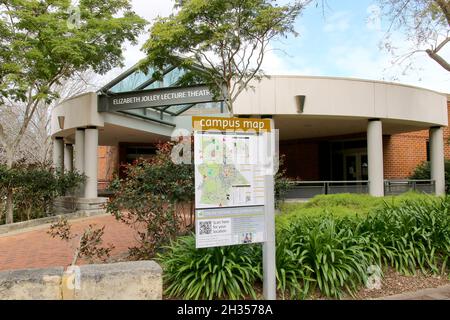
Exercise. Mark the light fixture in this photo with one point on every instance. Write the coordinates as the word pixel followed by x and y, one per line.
pixel 61 122
pixel 300 100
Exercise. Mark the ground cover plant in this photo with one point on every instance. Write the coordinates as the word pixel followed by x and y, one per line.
pixel 329 245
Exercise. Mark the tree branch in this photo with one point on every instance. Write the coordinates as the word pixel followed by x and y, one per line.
pixel 436 57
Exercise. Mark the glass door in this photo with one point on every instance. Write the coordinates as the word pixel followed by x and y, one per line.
pixel 356 166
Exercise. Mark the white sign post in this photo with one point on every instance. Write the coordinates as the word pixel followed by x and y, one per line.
pixel 269 246
pixel 234 187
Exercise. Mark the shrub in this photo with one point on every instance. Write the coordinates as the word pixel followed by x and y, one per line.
pixel 153 218
pixel 411 236
pixel 423 172
pixel 34 188
pixel 323 253
pixel 150 199
pixel 282 183
pixel 210 273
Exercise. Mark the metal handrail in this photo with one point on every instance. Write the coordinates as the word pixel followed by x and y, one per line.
pixel 360 186
pixel 323 182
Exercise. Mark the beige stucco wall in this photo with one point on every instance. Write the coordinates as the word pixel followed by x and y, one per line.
pixel 80 111
pixel 343 97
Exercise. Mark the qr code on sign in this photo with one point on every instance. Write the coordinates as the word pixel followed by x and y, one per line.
pixel 205 227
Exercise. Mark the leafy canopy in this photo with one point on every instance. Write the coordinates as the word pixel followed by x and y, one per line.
pixel 229 39
pixel 44 41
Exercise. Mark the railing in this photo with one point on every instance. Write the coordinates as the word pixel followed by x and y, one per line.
pixel 394 187
pixel 309 189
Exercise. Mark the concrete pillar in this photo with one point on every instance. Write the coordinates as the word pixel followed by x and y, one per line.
pixel 375 157
pixel 79 157
pixel 58 153
pixel 437 159
pixel 90 162
pixel 68 157
pixel 79 151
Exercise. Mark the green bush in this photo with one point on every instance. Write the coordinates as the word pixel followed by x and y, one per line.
pixel 210 273
pixel 34 188
pixel 324 251
pixel 150 198
pixel 423 172
pixel 415 235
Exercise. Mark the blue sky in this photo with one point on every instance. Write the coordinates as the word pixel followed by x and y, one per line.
pixel 343 41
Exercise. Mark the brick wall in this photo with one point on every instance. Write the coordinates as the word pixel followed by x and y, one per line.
pixel 404 152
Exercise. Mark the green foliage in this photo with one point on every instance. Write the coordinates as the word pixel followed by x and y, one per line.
pixel 35 187
pixel 43 41
pixel 211 273
pixel 147 199
pixel 423 172
pixel 89 243
pixel 343 205
pixel 415 235
pixel 228 38
pixel 317 248
pixel 159 176
pixel 323 253
pixel 282 183
pixel 321 250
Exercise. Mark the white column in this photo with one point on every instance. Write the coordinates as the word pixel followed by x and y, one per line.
pixel 58 153
pixel 437 159
pixel 375 157
pixel 68 157
pixel 90 162
pixel 79 157
pixel 79 151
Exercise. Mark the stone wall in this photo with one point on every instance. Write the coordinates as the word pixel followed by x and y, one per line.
pixel 140 280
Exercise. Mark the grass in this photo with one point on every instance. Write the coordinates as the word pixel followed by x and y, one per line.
pixel 343 205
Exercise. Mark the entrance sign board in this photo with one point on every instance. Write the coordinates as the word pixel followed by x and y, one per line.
pixel 229 180
pixel 155 98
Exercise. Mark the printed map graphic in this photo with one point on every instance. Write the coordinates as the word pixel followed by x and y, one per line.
pixel 218 174
pixel 218 179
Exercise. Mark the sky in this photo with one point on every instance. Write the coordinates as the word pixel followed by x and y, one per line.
pixel 341 41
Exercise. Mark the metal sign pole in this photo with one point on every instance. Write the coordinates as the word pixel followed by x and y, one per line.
pixel 269 262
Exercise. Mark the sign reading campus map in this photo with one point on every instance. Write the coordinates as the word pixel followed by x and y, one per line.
pixel 229 180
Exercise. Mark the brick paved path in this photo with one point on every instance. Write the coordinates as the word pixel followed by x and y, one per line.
pixel 34 248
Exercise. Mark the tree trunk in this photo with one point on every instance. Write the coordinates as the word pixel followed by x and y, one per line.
pixel 9 193
pixel 9 207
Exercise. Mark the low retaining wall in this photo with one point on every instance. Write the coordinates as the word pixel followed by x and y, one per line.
pixel 37 222
pixel 140 280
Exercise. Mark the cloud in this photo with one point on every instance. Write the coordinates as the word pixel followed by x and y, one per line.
pixel 338 22
pixel 277 62
pixel 367 62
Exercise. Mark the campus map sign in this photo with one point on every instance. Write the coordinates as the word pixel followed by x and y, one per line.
pixel 229 180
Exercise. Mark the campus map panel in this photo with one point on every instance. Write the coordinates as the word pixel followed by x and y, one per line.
pixel 227 171
pixel 229 181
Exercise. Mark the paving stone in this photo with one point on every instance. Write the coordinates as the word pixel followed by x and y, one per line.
pixel 34 248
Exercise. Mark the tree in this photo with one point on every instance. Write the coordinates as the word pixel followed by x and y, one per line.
pixel 426 23
pixel 228 39
pixel 35 145
pixel 43 42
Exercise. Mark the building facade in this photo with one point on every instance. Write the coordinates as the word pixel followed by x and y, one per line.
pixel 355 134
